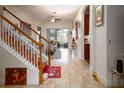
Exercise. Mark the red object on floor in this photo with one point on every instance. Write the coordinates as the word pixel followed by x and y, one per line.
pixel 46 69
pixel 54 72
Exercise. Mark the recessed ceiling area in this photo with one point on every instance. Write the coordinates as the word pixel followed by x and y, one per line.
pixel 42 12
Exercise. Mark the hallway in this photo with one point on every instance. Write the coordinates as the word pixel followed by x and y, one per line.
pixel 75 74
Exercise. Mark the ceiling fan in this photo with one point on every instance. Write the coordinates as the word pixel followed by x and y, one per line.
pixel 53 19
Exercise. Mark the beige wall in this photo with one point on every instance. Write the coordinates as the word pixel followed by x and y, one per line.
pixel 60 24
pixel 79 17
pixel 26 18
pixel 0 9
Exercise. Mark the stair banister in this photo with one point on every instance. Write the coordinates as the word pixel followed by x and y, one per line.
pixel 48 41
pixel 37 43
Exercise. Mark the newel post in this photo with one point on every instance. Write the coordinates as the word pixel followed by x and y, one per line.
pixel 40 68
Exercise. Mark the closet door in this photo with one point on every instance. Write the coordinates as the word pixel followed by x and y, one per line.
pixel 86 44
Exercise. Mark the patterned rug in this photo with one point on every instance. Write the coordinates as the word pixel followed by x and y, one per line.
pixel 54 72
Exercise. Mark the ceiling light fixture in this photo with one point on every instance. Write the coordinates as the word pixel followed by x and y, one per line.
pixel 52 19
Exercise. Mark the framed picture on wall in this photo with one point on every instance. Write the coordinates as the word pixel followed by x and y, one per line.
pixel 99 15
pixel 15 76
pixel 76 29
pixel 25 27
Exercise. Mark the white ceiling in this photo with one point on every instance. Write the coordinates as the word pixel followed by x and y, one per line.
pixel 41 12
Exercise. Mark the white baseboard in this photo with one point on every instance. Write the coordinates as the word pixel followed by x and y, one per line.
pixel 101 78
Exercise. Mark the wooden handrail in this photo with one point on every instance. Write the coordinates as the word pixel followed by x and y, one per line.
pixel 37 43
pixel 26 25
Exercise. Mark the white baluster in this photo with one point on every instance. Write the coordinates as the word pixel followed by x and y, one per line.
pixel 3 34
pixel 20 45
pixel 0 27
pixel 8 35
pixel 17 45
pixel 25 51
pixel 14 40
pixel 0 30
pixel 37 59
pixel 22 48
pixel 28 52
pixel 11 37
pixel 34 58
pixel 31 55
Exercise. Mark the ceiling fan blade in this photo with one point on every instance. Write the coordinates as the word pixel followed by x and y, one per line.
pixel 58 19
pixel 50 18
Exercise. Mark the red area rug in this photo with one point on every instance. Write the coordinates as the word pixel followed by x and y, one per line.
pixel 54 72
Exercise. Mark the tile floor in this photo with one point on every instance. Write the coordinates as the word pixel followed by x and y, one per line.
pixel 75 74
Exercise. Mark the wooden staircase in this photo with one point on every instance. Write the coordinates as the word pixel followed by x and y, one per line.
pixel 23 44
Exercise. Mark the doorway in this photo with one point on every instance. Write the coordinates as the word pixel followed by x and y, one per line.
pixel 58 36
pixel 86 35
pixel 59 42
